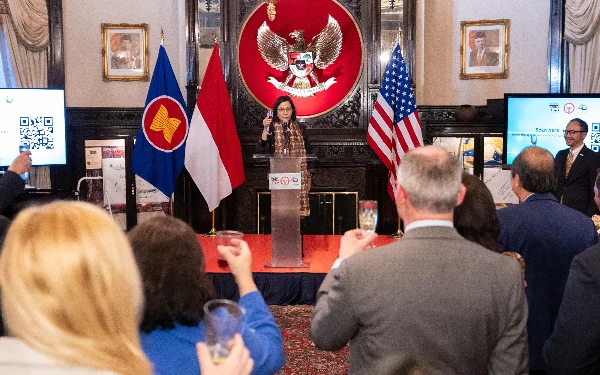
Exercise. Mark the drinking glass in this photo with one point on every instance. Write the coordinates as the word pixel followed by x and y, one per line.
pixel 367 215
pixel 222 320
pixel 224 238
pixel 269 114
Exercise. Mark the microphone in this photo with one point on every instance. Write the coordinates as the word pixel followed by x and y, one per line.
pixel 286 130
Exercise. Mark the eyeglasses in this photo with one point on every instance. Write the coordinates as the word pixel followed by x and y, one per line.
pixel 572 132
pixel 281 110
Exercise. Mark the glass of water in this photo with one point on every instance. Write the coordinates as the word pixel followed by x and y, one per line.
pixel 367 215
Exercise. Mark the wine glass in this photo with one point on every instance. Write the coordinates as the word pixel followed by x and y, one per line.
pixel 269 114
pixel 367 215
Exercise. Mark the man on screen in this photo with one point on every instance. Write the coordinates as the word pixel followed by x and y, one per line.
pixel 577 168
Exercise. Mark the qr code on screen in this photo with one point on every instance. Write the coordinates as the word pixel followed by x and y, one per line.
pixel 37 132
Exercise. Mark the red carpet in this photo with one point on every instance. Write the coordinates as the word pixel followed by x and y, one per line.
pixel 301 357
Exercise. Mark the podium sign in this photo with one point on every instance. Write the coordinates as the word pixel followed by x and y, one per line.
pixel 289 181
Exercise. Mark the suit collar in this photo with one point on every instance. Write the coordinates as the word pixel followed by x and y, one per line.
pixel 432 232
pixel 541 197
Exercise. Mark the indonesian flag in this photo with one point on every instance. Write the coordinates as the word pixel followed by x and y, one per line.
pixel 213 155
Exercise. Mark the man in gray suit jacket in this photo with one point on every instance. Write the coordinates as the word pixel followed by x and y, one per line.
pixel 432 295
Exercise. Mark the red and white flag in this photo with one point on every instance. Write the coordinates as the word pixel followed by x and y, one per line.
pixel 394 127
pixel 213 154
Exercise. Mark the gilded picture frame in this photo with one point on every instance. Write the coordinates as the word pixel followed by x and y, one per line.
pixel 484 49
pixel 125 52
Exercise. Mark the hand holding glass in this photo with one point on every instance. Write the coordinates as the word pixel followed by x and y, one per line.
pixel 222 320
pixel 224 238
pixel 367 215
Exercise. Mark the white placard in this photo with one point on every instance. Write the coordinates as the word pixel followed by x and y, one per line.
pixel 147 193
pixel 93 157
pixel 113 173
pixel 498 181
pixel 285 181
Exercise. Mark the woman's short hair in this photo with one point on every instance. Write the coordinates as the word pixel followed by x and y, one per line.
pixel 281 99
pixel 71 288
pixel 475 218
pixel 172 269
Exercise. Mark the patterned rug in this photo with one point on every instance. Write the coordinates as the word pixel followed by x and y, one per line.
pixel 301 356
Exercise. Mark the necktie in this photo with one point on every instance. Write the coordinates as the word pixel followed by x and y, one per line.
pixel 479 57
pixel 569 163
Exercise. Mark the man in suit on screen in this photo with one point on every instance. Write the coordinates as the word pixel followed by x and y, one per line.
pixel 547 235
pixel 577 168
pixel 433 295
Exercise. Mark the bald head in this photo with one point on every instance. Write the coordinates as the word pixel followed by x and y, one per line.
pixel 431 178
pixel 535 168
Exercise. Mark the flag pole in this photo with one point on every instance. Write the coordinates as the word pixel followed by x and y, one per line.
pixel 212 232
pixel 398 234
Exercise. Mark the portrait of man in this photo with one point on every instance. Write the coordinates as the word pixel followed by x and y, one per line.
pixel 125 51
pixel 481 55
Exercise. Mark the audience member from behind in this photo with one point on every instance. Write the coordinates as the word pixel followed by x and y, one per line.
pixel 431 295
pixel 11 184
pixel 547 235
pixel 71 294
pixel 176 288
pixel 475 218
pixel 573 346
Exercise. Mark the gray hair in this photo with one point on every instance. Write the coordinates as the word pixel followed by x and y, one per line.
pixel 431 178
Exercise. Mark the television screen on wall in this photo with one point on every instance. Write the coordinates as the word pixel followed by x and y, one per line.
pixel 35 119
pixel 540 119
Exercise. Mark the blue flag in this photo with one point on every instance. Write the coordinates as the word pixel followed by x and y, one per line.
pixel 159 151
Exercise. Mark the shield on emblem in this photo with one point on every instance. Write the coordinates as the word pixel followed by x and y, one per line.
pixel 301 63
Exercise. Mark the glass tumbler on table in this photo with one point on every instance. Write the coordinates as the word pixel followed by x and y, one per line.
pixel 367 215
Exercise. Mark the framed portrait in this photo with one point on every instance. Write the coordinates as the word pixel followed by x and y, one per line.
pixel 125 52
pixel 484 49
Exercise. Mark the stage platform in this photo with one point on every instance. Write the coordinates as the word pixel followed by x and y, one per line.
pixel 279 286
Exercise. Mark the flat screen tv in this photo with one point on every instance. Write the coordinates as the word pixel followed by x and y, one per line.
pixel 539 119
pixel 33 118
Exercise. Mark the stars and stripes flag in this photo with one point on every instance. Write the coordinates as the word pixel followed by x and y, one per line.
pixel 394 127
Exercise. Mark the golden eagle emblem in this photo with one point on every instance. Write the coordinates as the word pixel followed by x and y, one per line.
pixel 301 59
pixel 163 123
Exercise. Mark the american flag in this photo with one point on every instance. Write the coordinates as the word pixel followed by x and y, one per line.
pixel 394 127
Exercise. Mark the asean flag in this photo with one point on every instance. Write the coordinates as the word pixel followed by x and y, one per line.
pixel 213 151
pixel 159 151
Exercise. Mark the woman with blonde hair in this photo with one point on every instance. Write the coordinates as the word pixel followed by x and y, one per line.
pixel 71 294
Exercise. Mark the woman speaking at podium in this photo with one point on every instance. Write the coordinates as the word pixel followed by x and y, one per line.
pixel 284 136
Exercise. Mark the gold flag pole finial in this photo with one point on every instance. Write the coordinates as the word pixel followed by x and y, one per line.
pixel 215 38
pixel 162 36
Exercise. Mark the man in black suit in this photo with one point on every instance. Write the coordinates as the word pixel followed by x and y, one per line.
pixel 11 184
pixel 480 56
pixel 577 168
pixel 573 347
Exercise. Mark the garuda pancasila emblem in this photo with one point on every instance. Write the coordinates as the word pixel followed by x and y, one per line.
pixel 301 59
